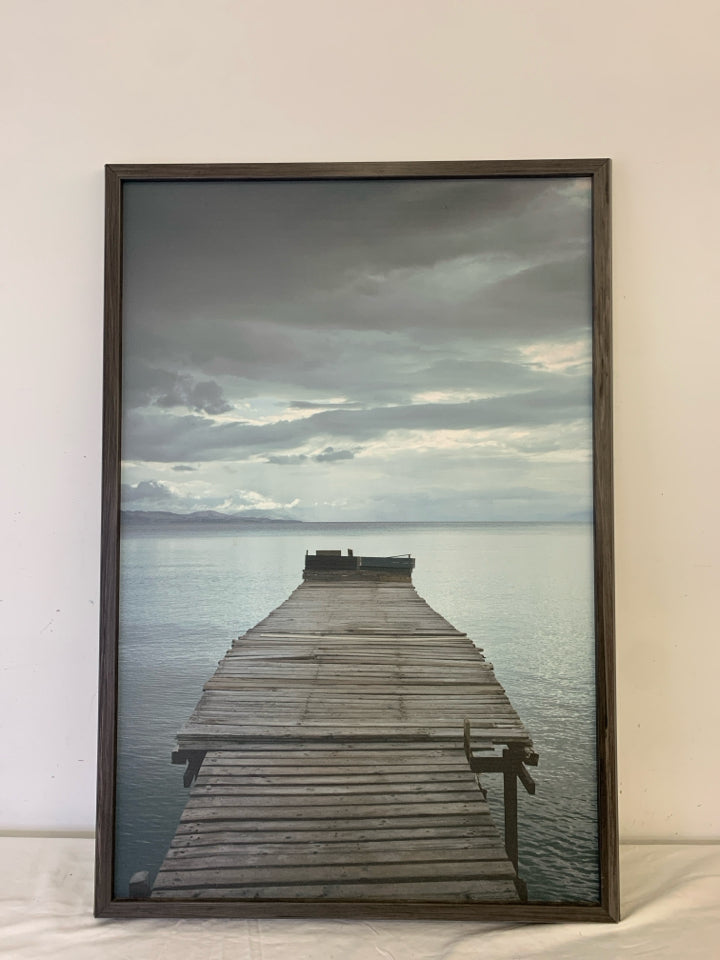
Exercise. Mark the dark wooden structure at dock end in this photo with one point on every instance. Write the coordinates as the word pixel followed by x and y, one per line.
pixel 337 754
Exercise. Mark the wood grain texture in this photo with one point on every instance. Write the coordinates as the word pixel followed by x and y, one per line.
pixel 604 544
pixel 598 170
pixel 110 545
pixel 358 170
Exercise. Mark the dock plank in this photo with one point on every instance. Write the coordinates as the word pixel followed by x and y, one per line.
pixel 477 890
pixel 333 762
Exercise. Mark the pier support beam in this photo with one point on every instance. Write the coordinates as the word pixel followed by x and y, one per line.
pixel 139 887
pixel 511 820
pixel 489 758
pixel 194 759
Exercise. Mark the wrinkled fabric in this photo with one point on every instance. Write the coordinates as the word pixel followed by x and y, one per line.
pixel 670 909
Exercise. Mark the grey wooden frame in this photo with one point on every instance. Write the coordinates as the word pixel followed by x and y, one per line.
pixel 608 908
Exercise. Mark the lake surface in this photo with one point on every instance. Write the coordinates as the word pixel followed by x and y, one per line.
pixel 523 592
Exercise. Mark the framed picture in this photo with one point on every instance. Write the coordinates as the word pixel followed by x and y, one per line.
pixel 357 567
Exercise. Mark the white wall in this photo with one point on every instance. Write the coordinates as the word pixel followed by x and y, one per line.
pixel 87 82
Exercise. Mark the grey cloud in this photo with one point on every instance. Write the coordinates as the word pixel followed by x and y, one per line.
pixel 303 257
pixel 367 368
pixel 528 409
pixel 540 300
pixel 318 405
pixel 488 376
pixel 154 494
pixel 205 396
pixel 145 384
pixel 184 468
pixel 200 244
pixel 533 301
pixel 320 363
pixel 287 459
pixel 257 295
pixel 149 490
pixel 330 455
pixel 168 438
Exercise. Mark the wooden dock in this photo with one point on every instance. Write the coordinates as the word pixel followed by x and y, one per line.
pixel 336 754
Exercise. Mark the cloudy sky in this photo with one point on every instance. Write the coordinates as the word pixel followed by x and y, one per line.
pixel 358 350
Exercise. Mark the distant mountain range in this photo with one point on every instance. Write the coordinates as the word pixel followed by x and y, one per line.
pixel 201 516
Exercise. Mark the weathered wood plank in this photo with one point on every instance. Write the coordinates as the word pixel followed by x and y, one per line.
pixel 348 751
pixel 277 832
pixel 312 825
pixel 397 792
pixel 502 891
pixel 329 759
pixel 248 874
pixel 223 776
pixel 241 809
pixel 487 729
pixel 227 856
pixel 304 849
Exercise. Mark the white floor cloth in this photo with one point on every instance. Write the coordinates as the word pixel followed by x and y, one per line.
pixel 670 909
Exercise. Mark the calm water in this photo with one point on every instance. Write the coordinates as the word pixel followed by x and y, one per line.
pixel 523 592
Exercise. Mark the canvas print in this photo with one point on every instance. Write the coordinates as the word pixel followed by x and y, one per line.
pixel 356 648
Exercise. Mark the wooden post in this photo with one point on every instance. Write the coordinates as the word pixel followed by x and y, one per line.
pixel 140 885
pixel 193 758
pixel 511 821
